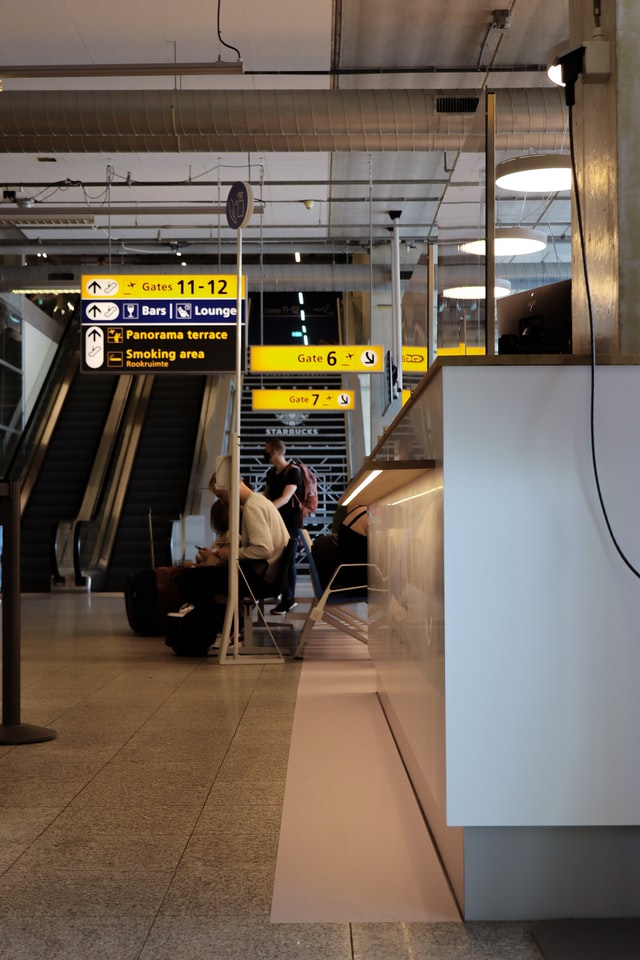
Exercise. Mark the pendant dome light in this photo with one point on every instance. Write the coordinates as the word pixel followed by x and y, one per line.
pixel 509 242
pixel 477 291
pixel 544 173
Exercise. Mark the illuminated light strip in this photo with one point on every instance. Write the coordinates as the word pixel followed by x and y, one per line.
pixel 34 290
pixel 364 483
pixel 416 496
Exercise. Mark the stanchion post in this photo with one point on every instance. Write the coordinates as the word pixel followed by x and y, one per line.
pixel 12 731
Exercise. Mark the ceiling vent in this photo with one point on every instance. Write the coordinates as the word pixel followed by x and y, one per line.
pixel 457 104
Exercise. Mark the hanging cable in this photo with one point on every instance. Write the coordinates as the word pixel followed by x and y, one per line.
pixel 228 45
pixel 109 179
pixel 370 163
pixel 594 459
pixel 597 11
pixel 261 259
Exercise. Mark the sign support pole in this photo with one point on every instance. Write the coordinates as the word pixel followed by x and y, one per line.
pixel 239 211
pixel 232 614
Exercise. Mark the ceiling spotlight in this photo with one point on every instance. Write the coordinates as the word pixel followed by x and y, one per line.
pixel 395 214
pixel 309 204
pixel 509 242
pixel 545 173
pixel 591 58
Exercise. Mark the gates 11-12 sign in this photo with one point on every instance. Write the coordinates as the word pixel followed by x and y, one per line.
pixel 150 324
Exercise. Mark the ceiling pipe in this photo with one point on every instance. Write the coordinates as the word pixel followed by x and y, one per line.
pixel 296 276
pixel 232 121
pixel 213 68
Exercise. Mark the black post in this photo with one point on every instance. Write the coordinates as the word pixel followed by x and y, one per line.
pixel 12 731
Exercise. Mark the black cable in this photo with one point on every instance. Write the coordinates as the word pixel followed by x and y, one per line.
pixel 597 11
pixel 230 47
pixel 594 460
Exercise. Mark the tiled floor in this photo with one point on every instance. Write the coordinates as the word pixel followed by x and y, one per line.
pixel 149 827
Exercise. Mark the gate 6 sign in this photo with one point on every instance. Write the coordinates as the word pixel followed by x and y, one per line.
pixel 337 359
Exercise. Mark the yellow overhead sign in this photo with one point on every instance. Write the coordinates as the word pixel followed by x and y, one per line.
pixel 351 359
pixel 199 286
pixel 316 400
pixel 462 350
pixel 414 359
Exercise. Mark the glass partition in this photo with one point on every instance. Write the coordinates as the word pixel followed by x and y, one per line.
pixel 11 382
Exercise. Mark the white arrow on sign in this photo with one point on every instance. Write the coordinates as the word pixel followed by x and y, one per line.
pixel 368 358
pixel 103 287
pixel 94 347
pixel 103 310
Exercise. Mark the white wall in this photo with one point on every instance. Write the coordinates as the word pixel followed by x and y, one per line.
pixel 542 651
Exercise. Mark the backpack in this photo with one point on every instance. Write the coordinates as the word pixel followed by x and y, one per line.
pixel 309 500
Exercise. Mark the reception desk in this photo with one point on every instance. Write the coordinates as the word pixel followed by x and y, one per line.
pixel 505 628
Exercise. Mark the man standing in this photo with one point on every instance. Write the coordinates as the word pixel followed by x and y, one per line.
pixel 284 487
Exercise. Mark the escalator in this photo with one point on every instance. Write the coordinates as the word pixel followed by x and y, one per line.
pixel 159 477
pixel 67 463
pixel 63 475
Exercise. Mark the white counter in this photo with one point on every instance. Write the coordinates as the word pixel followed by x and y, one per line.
pixel 507 633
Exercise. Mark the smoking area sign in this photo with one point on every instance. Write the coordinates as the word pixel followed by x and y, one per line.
pixel 315 400
pixel 332 359
pixel 150 324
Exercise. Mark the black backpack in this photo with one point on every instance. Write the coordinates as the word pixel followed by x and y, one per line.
pixel 190 632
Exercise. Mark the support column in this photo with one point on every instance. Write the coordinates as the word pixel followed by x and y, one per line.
pixel 628 145
pixel 607 143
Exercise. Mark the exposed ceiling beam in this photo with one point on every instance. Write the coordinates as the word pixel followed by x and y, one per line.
pixel 76 213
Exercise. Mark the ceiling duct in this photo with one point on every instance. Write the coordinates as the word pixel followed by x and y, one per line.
pixel 234 121
pixel 307 277
pixel 521 276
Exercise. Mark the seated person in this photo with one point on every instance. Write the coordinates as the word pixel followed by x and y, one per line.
pixel 348 544
pixel 263 537
pixel 212 556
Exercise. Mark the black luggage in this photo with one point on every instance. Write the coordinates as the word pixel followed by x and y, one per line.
pixel 191 631
pixel 149 595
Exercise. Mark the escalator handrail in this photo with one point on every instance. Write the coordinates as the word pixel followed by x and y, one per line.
pixel 106 522
pixel 29 453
